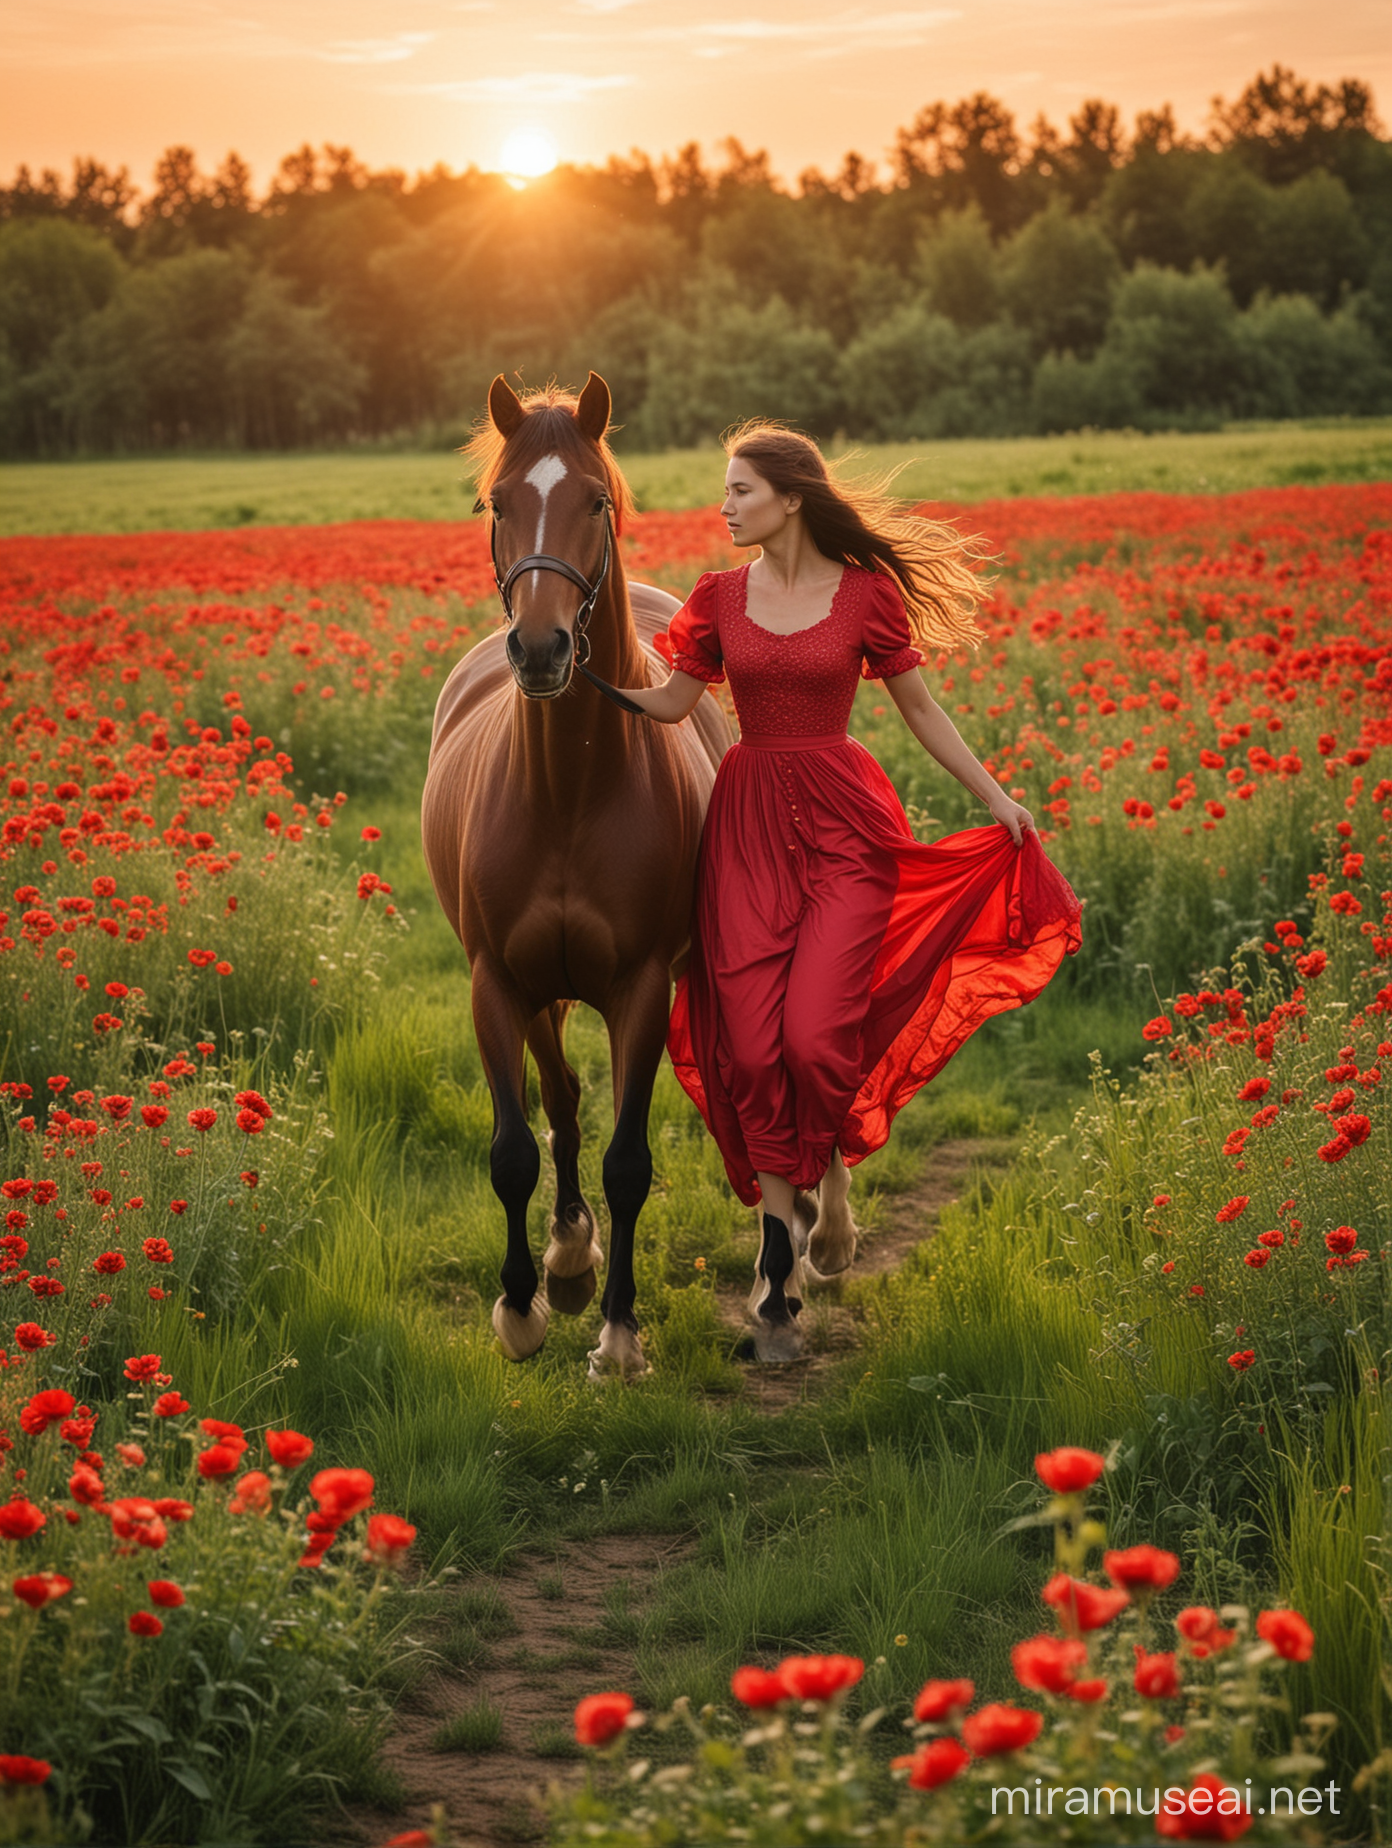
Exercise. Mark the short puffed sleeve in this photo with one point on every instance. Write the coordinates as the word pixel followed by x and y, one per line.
pixel 694 634
pixel 886 642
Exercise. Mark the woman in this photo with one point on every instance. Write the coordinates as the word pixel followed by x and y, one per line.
pixel 837 963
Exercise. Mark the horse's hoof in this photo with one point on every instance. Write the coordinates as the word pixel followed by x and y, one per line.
pixel 619 1355
pixel 571 1295
pixel 574 1248
pixel 831 1252
pixel 777 1343
pixel 520 1335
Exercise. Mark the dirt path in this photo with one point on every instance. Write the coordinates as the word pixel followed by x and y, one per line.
pixel 557 1626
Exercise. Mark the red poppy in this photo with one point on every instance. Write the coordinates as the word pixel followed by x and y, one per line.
pixel 602 1717
pixel 819 1677
pixel 169 1405
pixel 202 1120
pixel 1068 1469
pixel 934 1763
pixel 41 1588
pixel 1157 1676
pixel 30 1337
pixel 1201 1819
pixel 1159 1028
pixel 756 1687
pixel 388 1538
pixel 158 1250
pixel 289 1448
pixel 135 1519
pixel 48 1407
pixel 1341 1239
pixel 1082 1606
pixel 165 1593
pixel 342 1493
pixel 1234 1209
pixel 218 1460
pixel 144 1623
pixel 1141 1567
pixel 142 1366
pixel 107 1263
pixel 938 1699
pixel 1288 1633
pixel 15 1768
pixel 19 1518
pixel 251 1493
pixel 997 1729
pixel 1047 1663
pixel 1241 1361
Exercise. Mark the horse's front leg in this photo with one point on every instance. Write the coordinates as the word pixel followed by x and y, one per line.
pixel 637 1023
pixel 573 1254
pixel 520 1313
pixel 832 1244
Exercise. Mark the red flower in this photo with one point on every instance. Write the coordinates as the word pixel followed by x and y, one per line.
pixel 1341 1239
pixel 142 1366
pixel 144 1623
pixel 1201 1820
pixel 1047 1663
pixel 1086 1690
pixel 158 1250
pixel 1157 1676
pixel 107 1263
pixel 169 1405
pixel 16 1769
pixel 41 1588
pixel 170 1508
pixel 1288 1633
pixel 19 1518
pixel 819 1677
pixel 178 1207
pixel 934 1763
pixel 165 1593
pixel 601 1717
pixel 937 1699
pixel 1140 1567
pixel 289 1448
pixel 1256 1259
pixel 218 1460
pixel 1068 1469
pixel 1198 1625
pixel 1082 1606
pixel 997 1728
pixel 342 1493
pixel 756 1687
pixel 371 834
pixel 1234 1209
pixel 153 1115
pixel 1253 1090
pixel 251 1493
pixel 388 1538
pixel 202 1120
pixel 136 1519
pixel 1241 1361
pixel 30 1337
pixel 253 1100
pixel 1159 1028
pixel 48 1407
pixel 250 1122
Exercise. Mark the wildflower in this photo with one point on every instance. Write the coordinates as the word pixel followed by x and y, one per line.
pixel 1254 1090
pixel 165 1593
pixel 1240 1362
pixel 202 1120
pixel 1273 1240
pixel 1159 1028
pixel 1068 1469
pixel 388 1539
pixel 154 1116
pixel 251 1493
pixel 107 1263
pixel 134 1518
pixel 19 1518
pixel 1047 1663
pixel 131 1455
pixel 934 1763
pixel 218 1460
pixel 41 1588
pixel 289 1448
pixel 342 1493
pixel 602 1717
pixel 158 1250
pixel 1141 1567
pixel 144 1623
pixel 249 1177
pixel 996 1729
pixel 48 1407
pixel 170 1508
pixel 939 1699
pixel 142 1366
pixel 1234 1209
pixel 1082 1606
pixel 15 1768
pixel 1161 1200
pixel 1199 1627
pixel 1212 1820
pixel 178 1207
pixel 250 1122
pixel 756 1687
pixel 1288 1633
pixel 169 1405
pixel 819 1677
pixel 1157 1676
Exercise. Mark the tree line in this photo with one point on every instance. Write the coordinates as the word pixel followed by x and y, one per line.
pixel 991 281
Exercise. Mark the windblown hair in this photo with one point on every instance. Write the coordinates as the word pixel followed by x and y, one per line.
pixel 549 428
pixel 861 524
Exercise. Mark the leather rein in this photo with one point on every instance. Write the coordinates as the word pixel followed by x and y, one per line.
pixel 546 561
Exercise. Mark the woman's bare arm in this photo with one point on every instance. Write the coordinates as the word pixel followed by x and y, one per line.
pixel 670 703
pixel 937 734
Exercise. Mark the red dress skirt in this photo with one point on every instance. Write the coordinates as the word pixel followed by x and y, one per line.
pixel 837 963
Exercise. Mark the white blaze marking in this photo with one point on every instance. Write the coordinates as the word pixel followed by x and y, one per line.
pixel 543 477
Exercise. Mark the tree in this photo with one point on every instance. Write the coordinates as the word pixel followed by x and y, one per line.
pixel 1285 127
pixel 1058 277
pixel 963 155
pixel 54 277
pixel 959 269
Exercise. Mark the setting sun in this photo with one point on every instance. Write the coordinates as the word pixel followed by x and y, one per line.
pixel 526 155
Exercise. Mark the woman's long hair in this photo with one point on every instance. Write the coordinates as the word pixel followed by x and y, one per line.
pixel 860 524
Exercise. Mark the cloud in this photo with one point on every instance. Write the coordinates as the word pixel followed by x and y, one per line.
pixel 849 31
pixel 375 50
pixel 605 6
pixel 528 87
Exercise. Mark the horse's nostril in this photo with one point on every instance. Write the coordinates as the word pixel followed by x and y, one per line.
pixel 515 651
pixel 561 647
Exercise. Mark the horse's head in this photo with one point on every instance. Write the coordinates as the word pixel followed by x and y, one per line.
pixel 553 494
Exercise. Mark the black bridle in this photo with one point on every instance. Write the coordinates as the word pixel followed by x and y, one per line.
pixel 590 589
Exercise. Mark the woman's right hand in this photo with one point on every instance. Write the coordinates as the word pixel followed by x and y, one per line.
pixel 1012 815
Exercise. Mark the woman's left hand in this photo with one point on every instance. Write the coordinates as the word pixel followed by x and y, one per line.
pixel 1011 815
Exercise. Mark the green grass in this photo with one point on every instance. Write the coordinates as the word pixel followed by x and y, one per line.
pixel 190 492
pixel 476 1728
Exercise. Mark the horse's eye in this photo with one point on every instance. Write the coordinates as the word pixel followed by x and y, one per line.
pixel 600 504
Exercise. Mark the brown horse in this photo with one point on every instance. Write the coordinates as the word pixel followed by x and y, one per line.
pixel 561 837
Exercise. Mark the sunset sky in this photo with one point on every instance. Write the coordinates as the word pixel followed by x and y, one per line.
pixel 453 80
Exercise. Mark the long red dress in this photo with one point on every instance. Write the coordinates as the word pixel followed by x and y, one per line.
pixel 837 963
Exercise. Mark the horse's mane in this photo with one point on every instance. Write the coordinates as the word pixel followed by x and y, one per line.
pixel 549 428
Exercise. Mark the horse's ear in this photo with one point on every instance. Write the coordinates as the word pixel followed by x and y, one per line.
pixel 592 412
pixel 504 407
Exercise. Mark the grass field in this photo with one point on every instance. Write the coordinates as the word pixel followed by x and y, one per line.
pixel 194 492
pixel 879 1511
